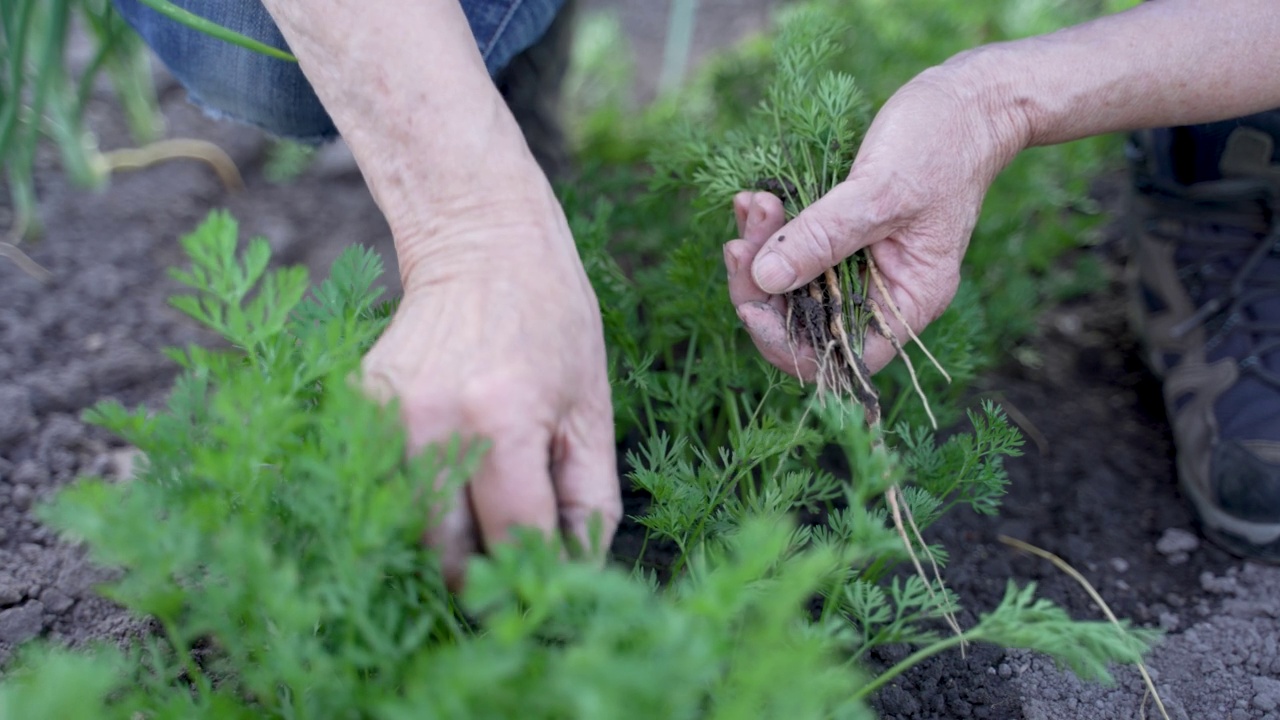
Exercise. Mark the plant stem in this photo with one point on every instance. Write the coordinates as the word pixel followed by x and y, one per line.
pixel 675 56
pixel 212 29
pixel 16 24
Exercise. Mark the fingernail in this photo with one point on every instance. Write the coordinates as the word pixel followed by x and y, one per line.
pixel 730 261
pixel 773 273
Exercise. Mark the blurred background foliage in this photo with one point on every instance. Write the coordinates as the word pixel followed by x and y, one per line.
pixel 45 92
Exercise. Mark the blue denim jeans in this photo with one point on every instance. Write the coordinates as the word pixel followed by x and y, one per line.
pixel 229 81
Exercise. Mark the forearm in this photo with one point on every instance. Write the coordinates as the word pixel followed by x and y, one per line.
pixel 408 90
pixel 1164 63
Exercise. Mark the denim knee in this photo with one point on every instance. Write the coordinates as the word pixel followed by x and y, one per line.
pixel 230 81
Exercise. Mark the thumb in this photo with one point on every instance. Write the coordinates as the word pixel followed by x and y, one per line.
pixel 839 224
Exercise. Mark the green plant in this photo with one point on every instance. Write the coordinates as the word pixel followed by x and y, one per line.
pixel 214 30
pixel 274 535
pixel 278 521
pixel 287 160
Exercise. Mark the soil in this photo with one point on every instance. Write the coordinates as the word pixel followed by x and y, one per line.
pixel 1097 489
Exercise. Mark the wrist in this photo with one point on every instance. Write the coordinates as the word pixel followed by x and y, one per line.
pixel 986 105
pixel 515 226
pixel 409 91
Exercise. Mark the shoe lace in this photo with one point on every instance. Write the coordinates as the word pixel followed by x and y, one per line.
pixel 1213 262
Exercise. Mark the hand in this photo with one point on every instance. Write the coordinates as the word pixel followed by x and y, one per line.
pixel 499 337
pixel 912 198
pixel 499 334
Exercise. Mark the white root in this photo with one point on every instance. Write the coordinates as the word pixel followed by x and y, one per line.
pixel 878 281
pixel 888 334
pixel 841 371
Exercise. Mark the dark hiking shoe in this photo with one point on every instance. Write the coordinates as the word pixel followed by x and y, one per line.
pixel 532 84
pixel 1205 296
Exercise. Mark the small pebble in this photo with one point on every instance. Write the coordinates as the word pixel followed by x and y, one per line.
pixel 23 496
pixel 1266 693
pixel 1177 541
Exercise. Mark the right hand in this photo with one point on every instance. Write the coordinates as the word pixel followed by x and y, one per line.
pixel 499 337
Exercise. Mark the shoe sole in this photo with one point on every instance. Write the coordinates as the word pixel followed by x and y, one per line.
pixel 1247 540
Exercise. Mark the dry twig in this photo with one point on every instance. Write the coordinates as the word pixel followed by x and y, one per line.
pixel 1074 574
pixel 178 149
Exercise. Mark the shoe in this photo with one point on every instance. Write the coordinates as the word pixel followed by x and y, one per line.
pixel 532 84
pixel 1204 279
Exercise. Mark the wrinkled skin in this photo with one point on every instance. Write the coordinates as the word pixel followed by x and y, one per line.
pixel 523 357
pixel 912 199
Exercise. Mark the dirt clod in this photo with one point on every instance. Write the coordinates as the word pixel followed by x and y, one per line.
pixel 1177 542
pixel 10 591
pixel 1266 693
pixel 16 413
pixel 21 623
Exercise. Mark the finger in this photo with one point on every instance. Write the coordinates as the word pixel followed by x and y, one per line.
pixel 454 537
pixel 376 385
pixel 765 216
pixel 877 352
pixel 839 224
pixel 512 487
pixel 451 530
pixel 585 469
pixel 767 327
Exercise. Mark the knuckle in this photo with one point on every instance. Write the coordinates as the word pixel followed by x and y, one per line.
pixel 884 207
pixel 488 404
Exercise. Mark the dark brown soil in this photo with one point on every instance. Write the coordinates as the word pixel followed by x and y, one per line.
pixel 1100 492
pixel 97 331
pixel 1098 489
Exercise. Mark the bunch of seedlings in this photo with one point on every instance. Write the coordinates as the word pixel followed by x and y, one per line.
pixel 798 144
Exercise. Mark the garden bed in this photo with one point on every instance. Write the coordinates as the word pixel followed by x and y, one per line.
pixel 1095 486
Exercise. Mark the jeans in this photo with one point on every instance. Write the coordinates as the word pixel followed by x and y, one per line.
pixel 230 81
